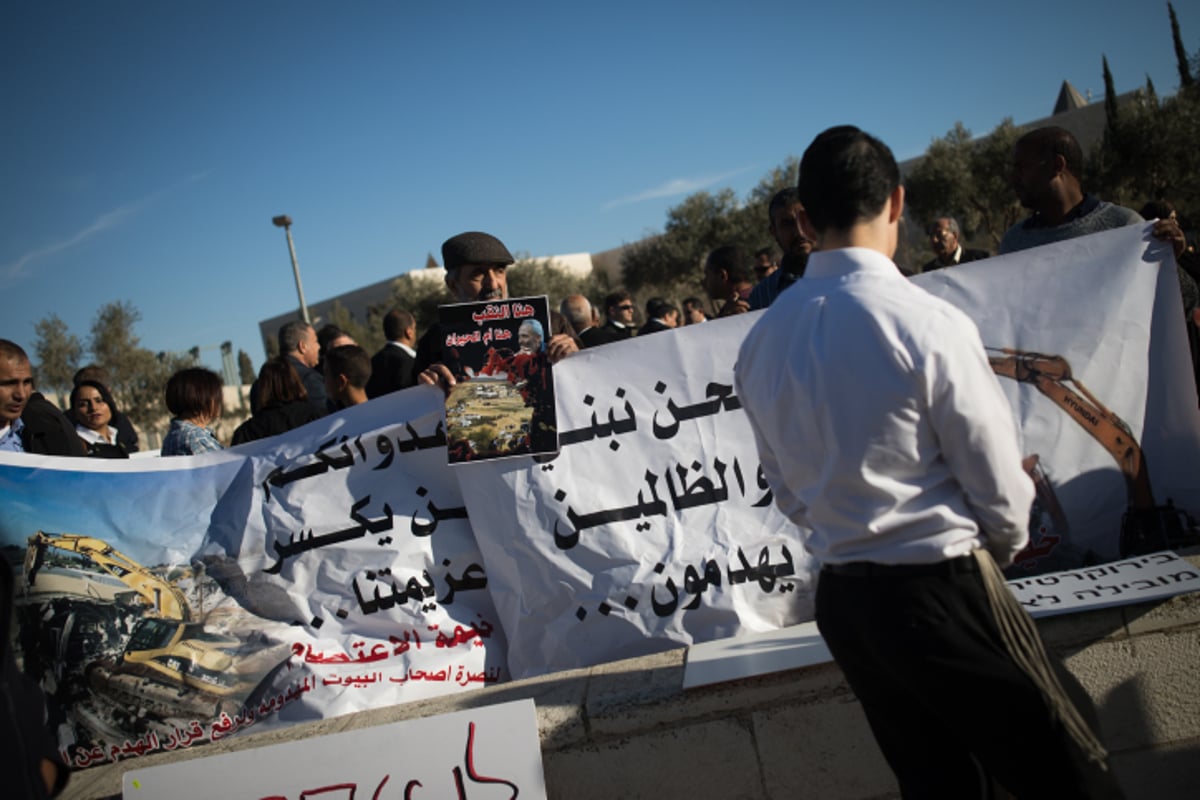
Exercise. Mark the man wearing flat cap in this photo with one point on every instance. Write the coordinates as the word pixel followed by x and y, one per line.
pixel 476 266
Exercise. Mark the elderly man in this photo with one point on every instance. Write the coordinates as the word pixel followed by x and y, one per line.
pixel 299 347
pixel 783 214
pixel 476 269
pixel 30 423
pixel 886 437
pixel 579 312
pixel 943 235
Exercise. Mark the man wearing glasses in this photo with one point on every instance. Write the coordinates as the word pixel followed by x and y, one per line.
pixel 764 264
pixel 619 309
pixel 947 251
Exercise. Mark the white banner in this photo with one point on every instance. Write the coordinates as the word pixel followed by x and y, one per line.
pixel 164 603
pixel 653 527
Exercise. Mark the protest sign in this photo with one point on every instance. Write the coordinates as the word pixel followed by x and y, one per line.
pixel 345 565
pixel 168 602
pixel 488 752
pixel 652 528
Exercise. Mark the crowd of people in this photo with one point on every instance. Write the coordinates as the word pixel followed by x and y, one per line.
pixel 322 371
pixel 909 511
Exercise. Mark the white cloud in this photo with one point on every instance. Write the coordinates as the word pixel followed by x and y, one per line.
pixel 674 187
pixel 15 270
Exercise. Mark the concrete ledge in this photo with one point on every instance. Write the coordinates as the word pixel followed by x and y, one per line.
pixel 628 729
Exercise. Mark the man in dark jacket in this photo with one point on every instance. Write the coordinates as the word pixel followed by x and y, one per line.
pixel 943 235
pixel 392 367
pixel 30 423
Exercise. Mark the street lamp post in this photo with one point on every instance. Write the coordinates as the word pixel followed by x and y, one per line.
pixel 285 222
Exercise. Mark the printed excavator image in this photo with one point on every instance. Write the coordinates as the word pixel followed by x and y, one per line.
pixel 168 665
pixel 1146 526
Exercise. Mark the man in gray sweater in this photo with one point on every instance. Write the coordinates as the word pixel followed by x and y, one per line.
pixel 1047 163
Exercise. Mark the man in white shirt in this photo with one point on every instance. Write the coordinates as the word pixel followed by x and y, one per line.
pixel 883 431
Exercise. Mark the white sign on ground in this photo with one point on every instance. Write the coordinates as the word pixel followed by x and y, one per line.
pixel 488 753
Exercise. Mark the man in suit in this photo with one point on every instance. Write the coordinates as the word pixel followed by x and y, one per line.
pixel 579 313
pixel 619 308
pixel 943 235
pixel 392 367
pixel 663 316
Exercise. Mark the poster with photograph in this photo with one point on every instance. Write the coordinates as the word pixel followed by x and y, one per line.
pixel 503 402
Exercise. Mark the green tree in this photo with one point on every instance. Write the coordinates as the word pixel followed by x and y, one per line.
pixel 138 377
pixel 419 296
pixel 368 337
pixel 59 354
pixel 246 371
pixel 672 263
pixel 529 277
pixel 967 179
pixel 1181 59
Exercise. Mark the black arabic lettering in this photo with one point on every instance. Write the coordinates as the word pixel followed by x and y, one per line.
pixel 581 522
pixel 310 542
pixel 723 397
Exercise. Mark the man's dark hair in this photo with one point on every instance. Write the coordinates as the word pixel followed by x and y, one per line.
pixel 765 251
pixel 349 360
pixel 326 335
pixel 657 307
pixel 846 175
pixel 1054 141
pixel 616 298
pixel 291 335
pixel 194 392
pixel 11 351
pixel 730 259
pixel 782 199
pixel 693 302
pixel 396 322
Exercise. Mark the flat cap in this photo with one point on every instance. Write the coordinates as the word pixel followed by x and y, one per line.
pixel 474 247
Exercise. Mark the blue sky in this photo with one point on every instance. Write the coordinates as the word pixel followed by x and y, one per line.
pixel 148 144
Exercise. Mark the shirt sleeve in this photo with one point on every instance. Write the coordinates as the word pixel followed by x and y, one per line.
pixel 978 438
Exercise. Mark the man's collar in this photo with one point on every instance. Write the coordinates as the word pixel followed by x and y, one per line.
pixel 842 261
pixel 11 435
pixel 403 346
pixel 956 257
pixel 1085 206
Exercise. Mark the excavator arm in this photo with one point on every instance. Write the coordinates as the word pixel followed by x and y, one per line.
pixel 166 599
pixel 1145 526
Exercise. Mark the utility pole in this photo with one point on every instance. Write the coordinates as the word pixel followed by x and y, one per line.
pixel 285 222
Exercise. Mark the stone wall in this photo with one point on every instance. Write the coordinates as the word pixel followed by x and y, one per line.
pixel 629 730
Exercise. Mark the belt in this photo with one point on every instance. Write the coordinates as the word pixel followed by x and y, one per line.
pixel 868 569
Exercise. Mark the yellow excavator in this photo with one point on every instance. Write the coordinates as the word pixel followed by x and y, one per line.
pixel 170 664
pixel 1146 527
